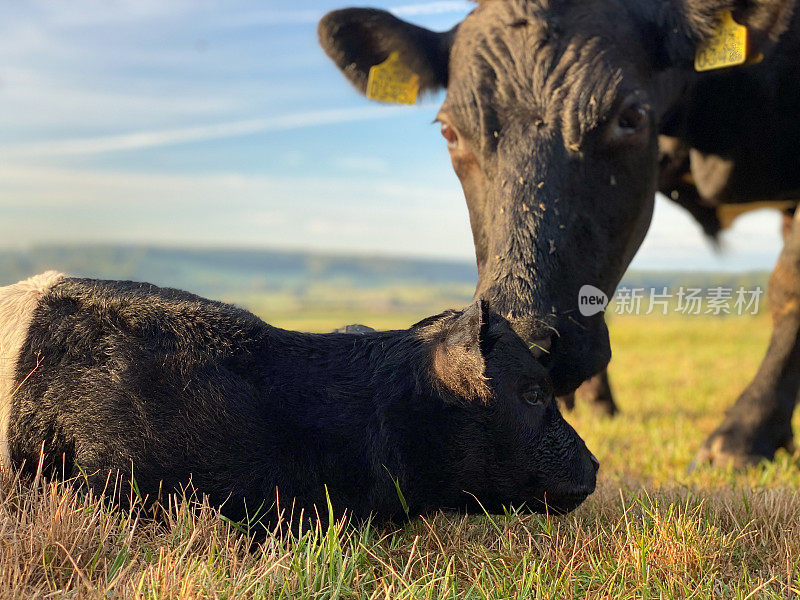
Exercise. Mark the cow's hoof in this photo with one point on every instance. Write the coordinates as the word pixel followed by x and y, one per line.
pixel 729 447
pixel 719 452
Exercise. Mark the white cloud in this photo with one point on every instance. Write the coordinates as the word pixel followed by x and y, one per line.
pixel 33 102
pixel 52 205
pixel 432 8
pixel 80 13
pixel 292 17
pixel 202 133
pixel 676 241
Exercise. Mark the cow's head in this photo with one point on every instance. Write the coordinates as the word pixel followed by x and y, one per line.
pixel 551 117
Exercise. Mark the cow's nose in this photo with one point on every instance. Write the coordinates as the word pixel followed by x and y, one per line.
pixel 594 461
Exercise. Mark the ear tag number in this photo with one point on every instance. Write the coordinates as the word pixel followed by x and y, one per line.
pixel 727 48
pixel 392 81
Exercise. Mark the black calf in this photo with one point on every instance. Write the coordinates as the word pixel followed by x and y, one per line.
pixel 175 389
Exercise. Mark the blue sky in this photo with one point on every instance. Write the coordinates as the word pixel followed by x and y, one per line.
pixel 221 122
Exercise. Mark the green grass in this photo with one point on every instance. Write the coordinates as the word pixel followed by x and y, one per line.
pixel 651 530
pixel 674 378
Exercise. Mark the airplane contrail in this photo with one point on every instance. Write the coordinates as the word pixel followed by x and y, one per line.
pixel 185 135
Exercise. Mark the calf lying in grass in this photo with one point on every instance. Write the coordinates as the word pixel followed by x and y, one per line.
pixel 171 389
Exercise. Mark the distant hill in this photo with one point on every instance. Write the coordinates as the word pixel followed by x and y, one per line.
pixel 217 272
pixel 231 273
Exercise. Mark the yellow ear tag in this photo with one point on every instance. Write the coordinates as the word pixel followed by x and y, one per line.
pixel 392 81
pixel 727 48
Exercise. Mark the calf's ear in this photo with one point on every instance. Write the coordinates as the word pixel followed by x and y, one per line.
pixel 674 30
pixel 458 361
pixel 356 39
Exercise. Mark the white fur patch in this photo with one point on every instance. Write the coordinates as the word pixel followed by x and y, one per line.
pixel 17 304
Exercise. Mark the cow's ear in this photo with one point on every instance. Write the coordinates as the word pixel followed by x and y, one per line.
pixel 357 39
pixel 673 31
pixel 458 361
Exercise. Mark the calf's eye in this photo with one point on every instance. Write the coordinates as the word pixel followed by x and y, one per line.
pixel 451 135
pixel 534 396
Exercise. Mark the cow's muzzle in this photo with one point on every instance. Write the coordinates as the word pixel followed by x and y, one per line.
pixel 572 349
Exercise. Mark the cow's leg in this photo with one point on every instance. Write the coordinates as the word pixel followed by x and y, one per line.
pixel 567 402
pixel 595 391
pixel 760 421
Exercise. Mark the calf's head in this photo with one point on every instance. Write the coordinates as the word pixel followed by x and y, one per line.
pixel 502 438
pixel 551 118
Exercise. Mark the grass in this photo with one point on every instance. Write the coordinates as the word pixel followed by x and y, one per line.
pixel 651 530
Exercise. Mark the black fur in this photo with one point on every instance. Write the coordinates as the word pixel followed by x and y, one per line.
pixel 117 376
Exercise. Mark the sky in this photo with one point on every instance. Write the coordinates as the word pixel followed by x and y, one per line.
pixel 222 123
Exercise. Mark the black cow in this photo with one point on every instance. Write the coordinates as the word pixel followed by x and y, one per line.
pixel 554 114
pixel 170 389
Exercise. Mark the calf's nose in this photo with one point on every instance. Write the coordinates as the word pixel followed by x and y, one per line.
pixel 589 468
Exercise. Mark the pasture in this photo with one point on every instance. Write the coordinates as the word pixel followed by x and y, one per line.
pixel 652 530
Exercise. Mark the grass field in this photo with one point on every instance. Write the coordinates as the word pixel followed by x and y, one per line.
pixel 651 530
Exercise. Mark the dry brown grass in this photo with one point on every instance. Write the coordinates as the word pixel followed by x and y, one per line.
pixel 674 543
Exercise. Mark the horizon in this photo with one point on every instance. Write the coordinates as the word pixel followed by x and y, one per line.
pixel 355 255
pixel 223 123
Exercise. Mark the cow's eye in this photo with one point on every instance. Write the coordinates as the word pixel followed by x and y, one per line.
pixel 632 118
pixel 534 396
pixel 451 135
